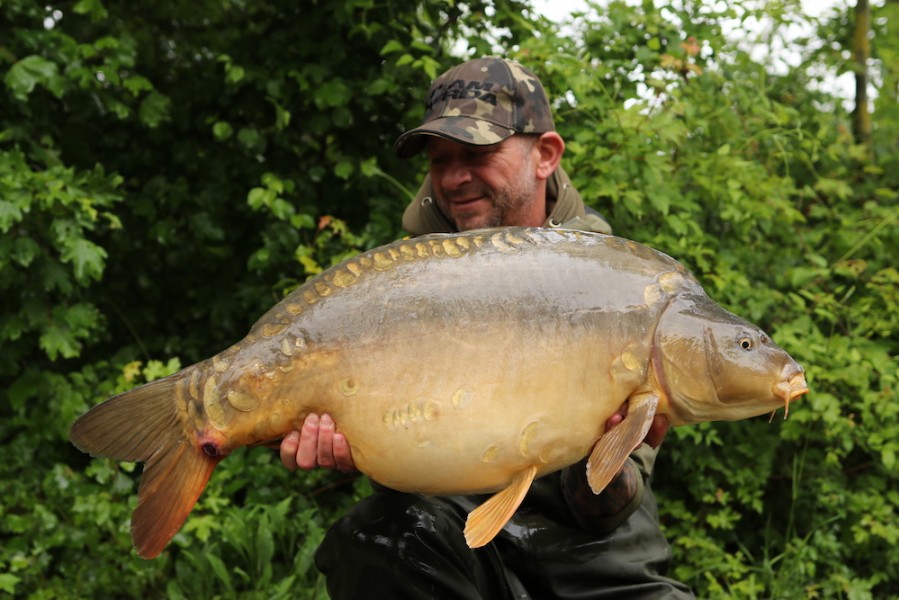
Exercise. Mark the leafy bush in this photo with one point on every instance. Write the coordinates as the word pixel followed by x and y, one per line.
pixel 787 221
pixel 166 174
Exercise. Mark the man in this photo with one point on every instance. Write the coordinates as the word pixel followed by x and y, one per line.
pixel 494 161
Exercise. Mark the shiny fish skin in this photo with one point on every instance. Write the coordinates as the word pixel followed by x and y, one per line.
pixel 456 363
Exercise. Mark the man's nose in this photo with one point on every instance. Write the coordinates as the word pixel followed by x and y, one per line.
pixel 455 175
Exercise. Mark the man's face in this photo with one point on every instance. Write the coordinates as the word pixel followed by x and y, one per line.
pixel 486 186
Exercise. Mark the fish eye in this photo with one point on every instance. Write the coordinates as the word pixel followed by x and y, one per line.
pixel 745 342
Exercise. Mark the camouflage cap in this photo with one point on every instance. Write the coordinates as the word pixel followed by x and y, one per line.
pixel 480 102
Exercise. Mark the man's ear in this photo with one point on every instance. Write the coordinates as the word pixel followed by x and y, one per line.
pixel 550 147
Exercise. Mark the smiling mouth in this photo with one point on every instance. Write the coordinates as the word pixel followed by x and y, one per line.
pixel 466 201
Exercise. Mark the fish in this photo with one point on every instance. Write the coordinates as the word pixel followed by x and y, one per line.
pixel 467 363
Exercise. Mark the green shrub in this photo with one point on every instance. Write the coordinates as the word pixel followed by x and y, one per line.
pixel 167 174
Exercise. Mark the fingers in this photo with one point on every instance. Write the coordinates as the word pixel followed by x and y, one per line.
pixel 333 449
pixel 307 453
pixel 657 431
pixel 617 417
pixel 288 450
pixel 317 444
pixel 343 458
pixel 325 447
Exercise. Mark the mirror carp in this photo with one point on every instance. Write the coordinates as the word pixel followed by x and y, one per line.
pixel 461 363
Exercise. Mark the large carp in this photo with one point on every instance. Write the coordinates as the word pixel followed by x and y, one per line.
pixel 454 364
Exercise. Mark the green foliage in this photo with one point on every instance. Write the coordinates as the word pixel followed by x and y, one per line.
pixel 738 173
pixel 169 171
pixel 47 257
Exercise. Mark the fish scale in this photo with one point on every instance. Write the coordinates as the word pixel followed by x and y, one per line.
pixel 455 363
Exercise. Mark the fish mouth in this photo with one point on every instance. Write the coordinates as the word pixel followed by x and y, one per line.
pixel 791 386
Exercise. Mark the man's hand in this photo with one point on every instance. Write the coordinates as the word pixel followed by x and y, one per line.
pixel 621 490
pixel 318 444
pixel 656 434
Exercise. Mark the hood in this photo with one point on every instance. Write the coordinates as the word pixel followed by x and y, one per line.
pixel 567 209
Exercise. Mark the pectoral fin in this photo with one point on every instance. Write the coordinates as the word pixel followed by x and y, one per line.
pixel 615 445
pixel 485 521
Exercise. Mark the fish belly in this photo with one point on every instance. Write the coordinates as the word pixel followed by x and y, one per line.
pixel 483 407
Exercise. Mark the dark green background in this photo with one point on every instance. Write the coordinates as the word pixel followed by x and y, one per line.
pixel 169 169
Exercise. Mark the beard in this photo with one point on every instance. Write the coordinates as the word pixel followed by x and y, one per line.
pixel 506 203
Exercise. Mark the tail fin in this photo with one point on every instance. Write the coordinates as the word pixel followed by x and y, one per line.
pixel 143 425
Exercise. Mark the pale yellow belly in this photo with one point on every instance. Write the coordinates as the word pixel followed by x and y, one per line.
pixel 462 425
